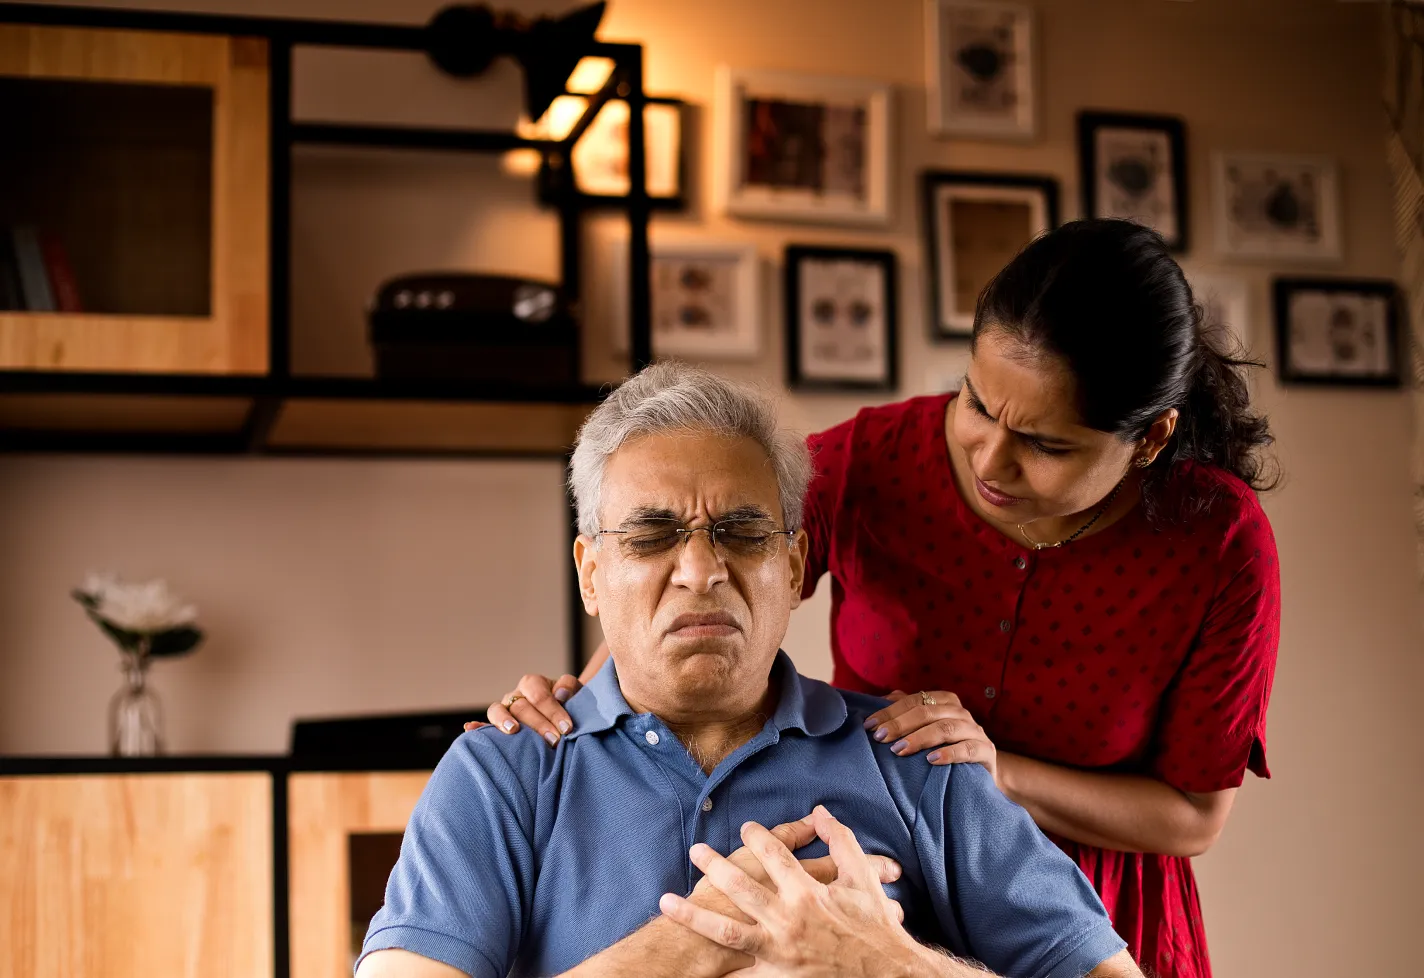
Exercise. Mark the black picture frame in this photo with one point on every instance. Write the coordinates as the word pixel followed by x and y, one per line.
pixel 1174 128
pixel 552 179
pixel 1286 290
pixel 799 376
pixel 948 320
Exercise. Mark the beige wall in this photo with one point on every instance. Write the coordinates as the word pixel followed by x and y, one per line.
pixel 335 585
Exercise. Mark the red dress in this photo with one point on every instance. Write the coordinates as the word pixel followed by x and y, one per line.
pixel 1139 648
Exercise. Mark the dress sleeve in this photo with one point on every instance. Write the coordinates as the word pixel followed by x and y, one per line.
pixel 831 456
pixel 1004 894
pixel 1212 725
pixel 456 894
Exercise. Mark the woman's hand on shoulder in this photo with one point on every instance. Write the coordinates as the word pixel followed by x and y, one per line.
pixel 936 721
pixel 537 703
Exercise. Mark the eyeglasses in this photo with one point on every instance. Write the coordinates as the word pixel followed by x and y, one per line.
pixel 731 539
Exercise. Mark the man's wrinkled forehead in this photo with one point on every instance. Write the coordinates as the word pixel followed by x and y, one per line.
pixel 689 475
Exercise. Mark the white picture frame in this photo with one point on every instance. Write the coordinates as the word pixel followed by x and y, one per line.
pixel 980 71
pixel 793 176
pixel 1275 206
pixel 718 319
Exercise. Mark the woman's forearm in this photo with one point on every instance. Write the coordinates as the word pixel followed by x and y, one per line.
pixel 595 663
pixel 1114 811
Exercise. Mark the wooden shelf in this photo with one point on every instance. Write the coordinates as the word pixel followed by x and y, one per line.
pixel 55 411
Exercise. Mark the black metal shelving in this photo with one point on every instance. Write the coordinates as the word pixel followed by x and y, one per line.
pixel 30 400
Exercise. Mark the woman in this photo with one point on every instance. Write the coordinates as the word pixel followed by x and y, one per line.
pixel 1069 560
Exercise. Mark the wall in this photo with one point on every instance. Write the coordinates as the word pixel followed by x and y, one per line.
pixel 333 586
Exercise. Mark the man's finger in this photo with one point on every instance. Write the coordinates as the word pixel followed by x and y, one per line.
pixel 794 835
pixel 710 924
pixel 749 896
pixel 775 858
pixel 823 868
pixel 853 868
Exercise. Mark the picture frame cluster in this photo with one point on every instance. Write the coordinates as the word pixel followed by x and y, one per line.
pixel 813 150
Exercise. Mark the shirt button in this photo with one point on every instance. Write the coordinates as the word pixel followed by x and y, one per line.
pixel 1005 625
pixel 1020 563
pixel 651 737
pixel 706 804
pixel 990 692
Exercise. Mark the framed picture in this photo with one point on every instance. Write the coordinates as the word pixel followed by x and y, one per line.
pixel 980 68
pixel 1226 302
pixel 1277 207
pixel 802 148
pixel 1135 167
pixel 840 319
pixel 599 162
pixel 1337 331
pixel 706 298
pixel 975 223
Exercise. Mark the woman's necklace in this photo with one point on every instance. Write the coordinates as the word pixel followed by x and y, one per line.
pixel 1082 529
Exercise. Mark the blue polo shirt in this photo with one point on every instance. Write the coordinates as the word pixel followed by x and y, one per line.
pixel 521 860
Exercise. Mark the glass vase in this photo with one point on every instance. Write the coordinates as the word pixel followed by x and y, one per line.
pixel 135 718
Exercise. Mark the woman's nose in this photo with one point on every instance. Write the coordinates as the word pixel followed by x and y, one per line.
pixel 995 460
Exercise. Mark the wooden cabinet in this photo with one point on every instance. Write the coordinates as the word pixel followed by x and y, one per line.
pixel 136 876
pixel 145 156
pixel 325 811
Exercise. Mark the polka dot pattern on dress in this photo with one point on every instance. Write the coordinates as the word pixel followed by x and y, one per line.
pixel 1141 647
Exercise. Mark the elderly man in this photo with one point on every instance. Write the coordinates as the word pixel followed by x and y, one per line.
pixel 522 860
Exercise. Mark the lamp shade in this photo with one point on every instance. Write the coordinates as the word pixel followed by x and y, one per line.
pixel 464 39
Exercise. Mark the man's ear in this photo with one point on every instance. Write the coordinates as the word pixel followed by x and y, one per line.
pixel 800 546
pixel 585 562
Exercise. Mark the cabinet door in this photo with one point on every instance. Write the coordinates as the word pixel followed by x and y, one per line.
pixel 136 876
pixel 341 825
pixel 139 163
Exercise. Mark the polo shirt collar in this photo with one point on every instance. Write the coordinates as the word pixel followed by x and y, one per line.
pixel 814 708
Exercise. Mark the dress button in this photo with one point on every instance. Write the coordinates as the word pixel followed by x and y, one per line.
pixel 1005 625
pixel 1020 563
pixel 706 804
pixel 990 692
pixel 651 737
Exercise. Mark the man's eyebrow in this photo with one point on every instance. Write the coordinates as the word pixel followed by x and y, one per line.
pixel 650 513
pixel 747 512
pixel 1045 439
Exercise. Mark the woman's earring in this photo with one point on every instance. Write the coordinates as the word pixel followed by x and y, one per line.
pixel 1143 461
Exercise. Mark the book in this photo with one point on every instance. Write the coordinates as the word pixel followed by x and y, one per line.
pixel 12 297
pixel 62 283
pixel 34 280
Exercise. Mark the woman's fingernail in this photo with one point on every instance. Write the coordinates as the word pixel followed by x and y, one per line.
pixel 899 746
pixel 870 722
pixel 507 726
pixel 563 726
pixel 881 734
pixel 933 757
pixel 552 738
pixel 561 694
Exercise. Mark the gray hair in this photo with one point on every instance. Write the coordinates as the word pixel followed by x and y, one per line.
pixel 671 396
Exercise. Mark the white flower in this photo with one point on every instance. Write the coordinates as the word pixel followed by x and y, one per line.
pixel 148 608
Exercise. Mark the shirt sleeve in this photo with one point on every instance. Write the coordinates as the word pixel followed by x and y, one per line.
pixel 1212 725
pixel 1004 894
pixel 458 892
pixel 831 455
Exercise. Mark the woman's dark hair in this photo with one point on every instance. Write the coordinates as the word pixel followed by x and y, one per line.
pixel 1107 298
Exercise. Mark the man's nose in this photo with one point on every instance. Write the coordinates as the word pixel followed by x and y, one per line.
pixel 699 566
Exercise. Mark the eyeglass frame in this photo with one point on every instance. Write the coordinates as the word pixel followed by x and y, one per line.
pixel 684 534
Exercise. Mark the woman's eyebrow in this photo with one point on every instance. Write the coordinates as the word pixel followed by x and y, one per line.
pixel 1035 436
